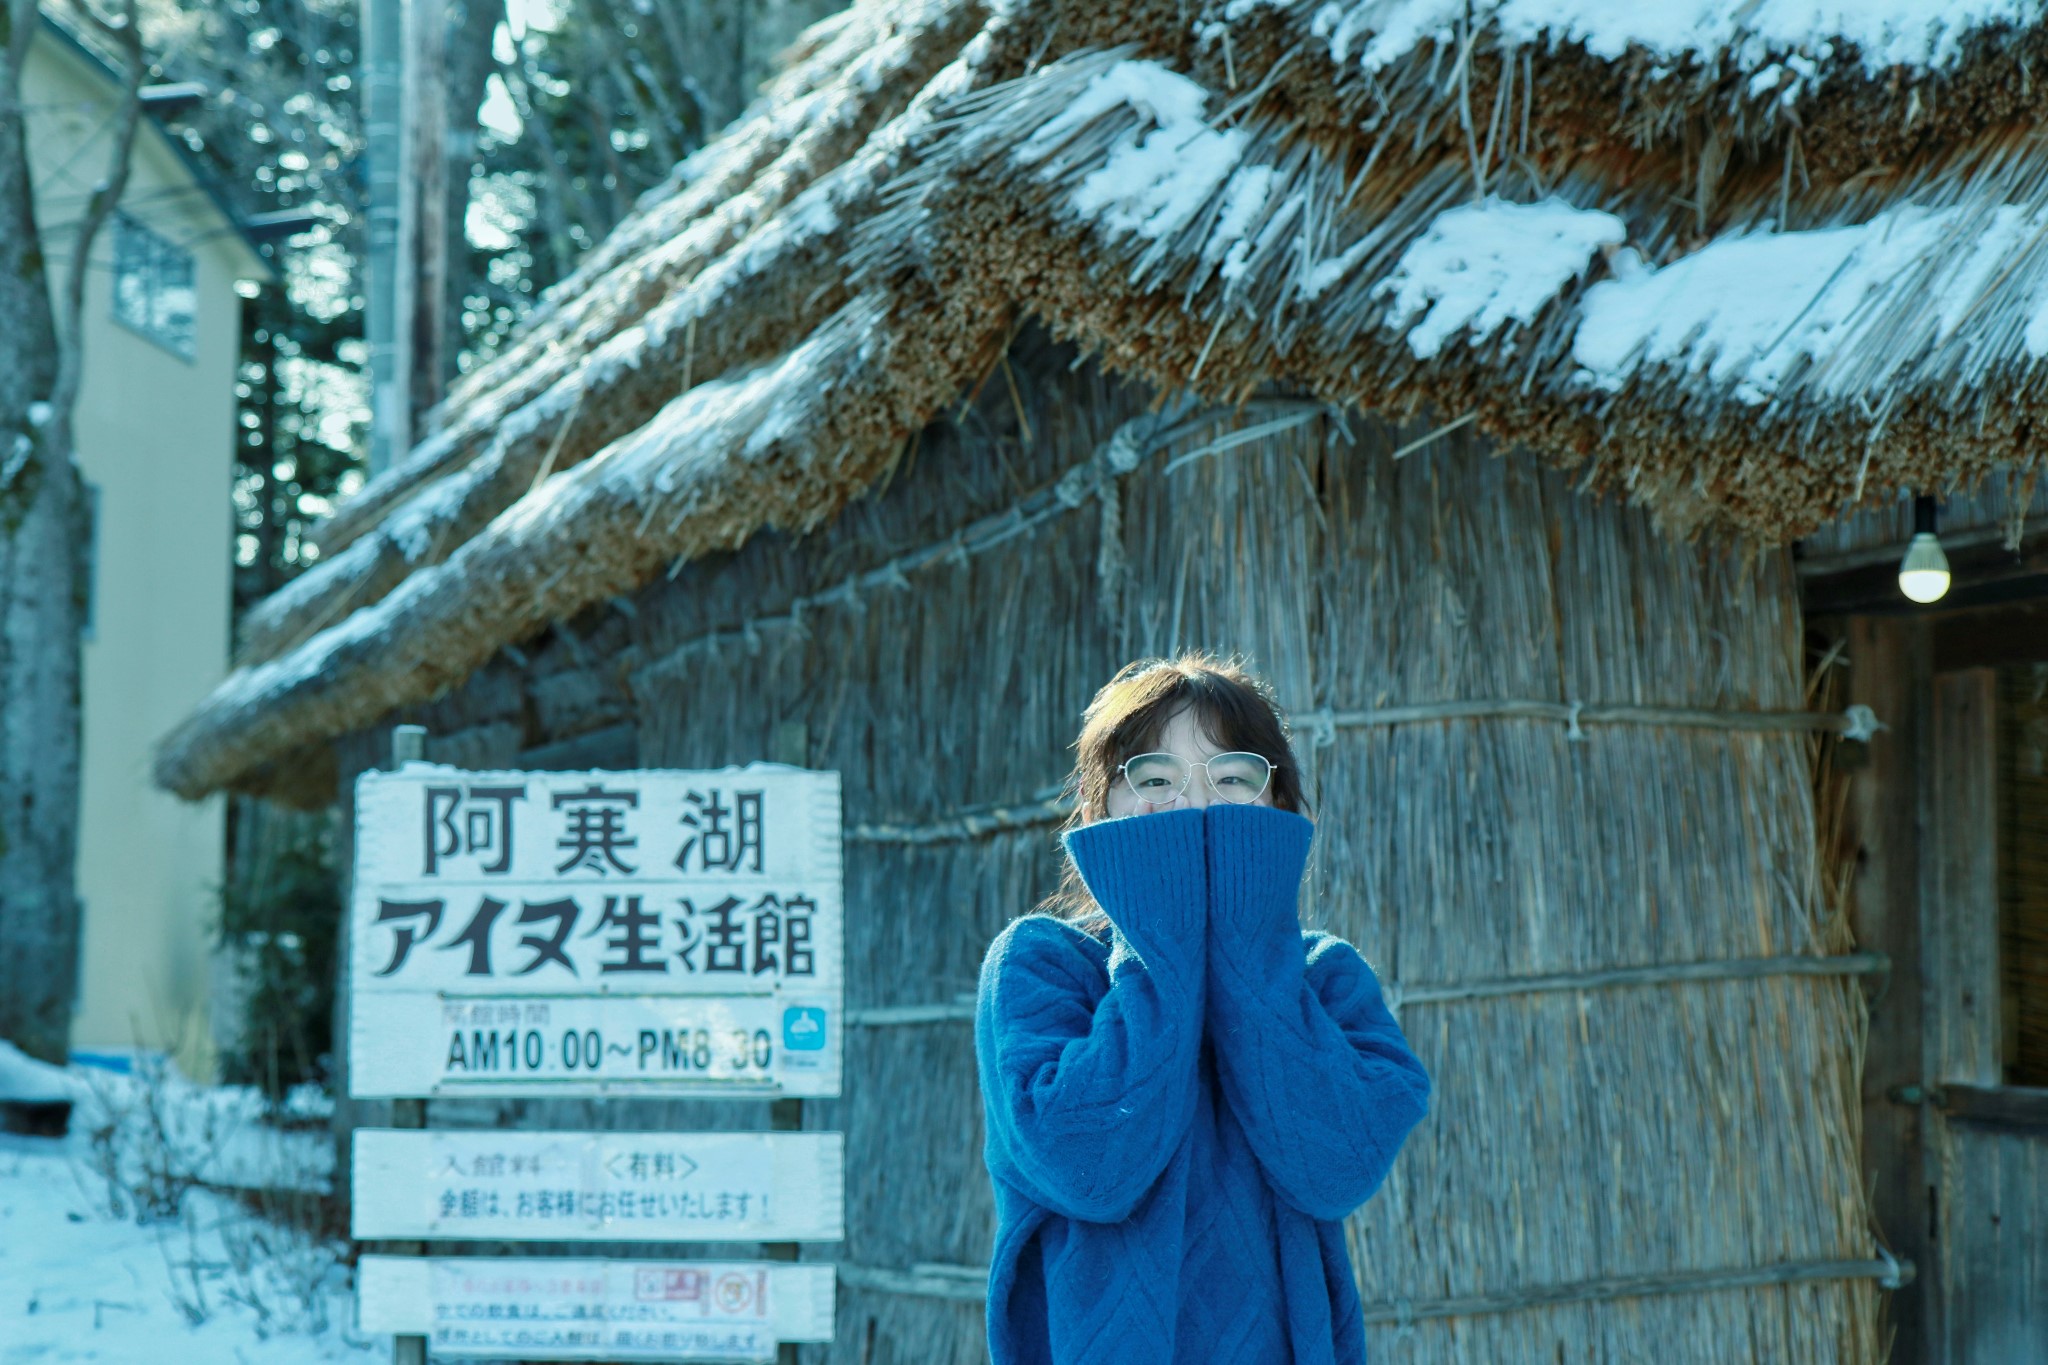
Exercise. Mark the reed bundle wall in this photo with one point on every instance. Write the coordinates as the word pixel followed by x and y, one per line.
pixel 1654 1130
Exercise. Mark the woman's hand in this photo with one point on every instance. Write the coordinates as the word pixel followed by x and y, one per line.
pixel 1256 856
pixel 1307 1054
pixel 1089 1092
pixel 1146 872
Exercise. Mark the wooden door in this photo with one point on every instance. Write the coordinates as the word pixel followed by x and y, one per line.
pixel 1955 1112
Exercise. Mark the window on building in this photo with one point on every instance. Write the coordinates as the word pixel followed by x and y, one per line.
pixel 154 289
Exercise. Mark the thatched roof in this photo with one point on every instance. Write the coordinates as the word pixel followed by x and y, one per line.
pixel 1746 271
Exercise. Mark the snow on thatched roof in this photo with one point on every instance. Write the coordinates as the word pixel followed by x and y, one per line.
pixel 1878 34
pixel 1607 231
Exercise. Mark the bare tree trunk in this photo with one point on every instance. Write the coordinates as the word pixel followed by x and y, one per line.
pixel 518 79
pixel 472 26
pixel 42 540
pixel 653 111
pixel 597 108
pixel 723 49
pixel 422 209
pixel 680 62
pixel 269 575
pixel 713 35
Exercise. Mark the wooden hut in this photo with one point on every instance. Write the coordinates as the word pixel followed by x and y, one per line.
pixel 1484 374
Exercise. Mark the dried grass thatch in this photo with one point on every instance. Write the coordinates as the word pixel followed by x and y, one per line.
pixel 1285 241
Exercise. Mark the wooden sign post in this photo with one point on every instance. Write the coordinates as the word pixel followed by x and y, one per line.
pixel 596 933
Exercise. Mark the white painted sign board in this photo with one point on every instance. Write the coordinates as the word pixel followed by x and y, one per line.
pixel 596 1309
pixel 490 1184
pixel 657 932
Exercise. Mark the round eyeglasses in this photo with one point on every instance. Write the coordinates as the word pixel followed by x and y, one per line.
pixel 1159 778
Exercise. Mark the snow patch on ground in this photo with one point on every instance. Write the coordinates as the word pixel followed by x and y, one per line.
pixel 1482 266
pixel 211 1134
pixel 28 1081
pixel 88 1275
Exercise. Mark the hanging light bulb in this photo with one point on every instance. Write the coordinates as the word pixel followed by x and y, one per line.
pixel 1923 573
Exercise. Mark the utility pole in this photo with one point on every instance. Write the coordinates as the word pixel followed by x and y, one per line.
pixel 391 367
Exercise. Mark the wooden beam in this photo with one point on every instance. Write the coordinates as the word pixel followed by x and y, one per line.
pixel 1889 554
pixel 790 743
pixel 1888 672
pixel 1985 573
pixel 2012 633
pixel 613 746
pixel 1959 992
pixel 1960 928
pixel 2011 1108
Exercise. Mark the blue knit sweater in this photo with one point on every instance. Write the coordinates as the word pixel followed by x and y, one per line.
pixel 1179 1119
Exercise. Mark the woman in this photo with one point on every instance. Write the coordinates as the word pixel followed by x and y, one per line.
pixel 1184 1091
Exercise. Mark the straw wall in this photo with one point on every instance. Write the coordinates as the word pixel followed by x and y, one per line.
pixel 1576 1135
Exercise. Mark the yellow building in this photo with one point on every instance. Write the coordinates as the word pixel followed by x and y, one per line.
pixel 155 431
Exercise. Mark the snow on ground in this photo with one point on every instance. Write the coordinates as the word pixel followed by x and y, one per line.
pixel 28 1081
pixel 88 1273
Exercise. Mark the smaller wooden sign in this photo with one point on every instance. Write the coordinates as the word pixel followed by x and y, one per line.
pixel 490 1184
pixel 596 1309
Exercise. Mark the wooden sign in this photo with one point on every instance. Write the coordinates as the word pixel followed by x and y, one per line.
pixel 662 932
pixel 596 1309
pixel 490 1184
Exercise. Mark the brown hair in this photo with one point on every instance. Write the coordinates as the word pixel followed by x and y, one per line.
pixel 1234 708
